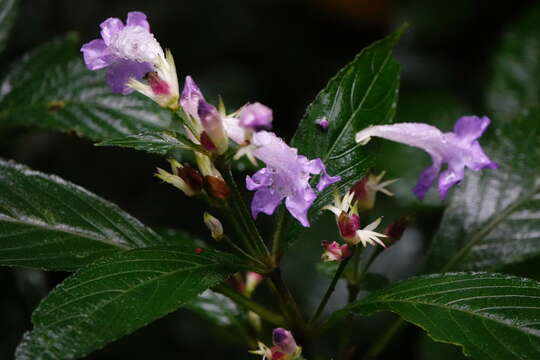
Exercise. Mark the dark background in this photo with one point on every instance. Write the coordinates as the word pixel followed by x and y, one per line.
pixel 281 53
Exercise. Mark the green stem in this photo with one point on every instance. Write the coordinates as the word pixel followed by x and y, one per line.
pixel 277 238
pixel 295 319
pixel 375 350
pixel 239 249
pixel 249 304
pixel 332 287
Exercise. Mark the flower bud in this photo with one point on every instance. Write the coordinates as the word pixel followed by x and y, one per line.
pixel 191 176
pixel 214 225
pixel 213 126
pixel 395 231
pixel 184 177
pixel 284 340
pixel 253 279
pixel 191 94
pixel 335 252
pixel 323 123
pixel 256 117
pixel 216 187
pixel 348 225
pixel 366 189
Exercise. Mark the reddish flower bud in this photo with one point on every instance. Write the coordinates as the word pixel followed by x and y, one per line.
pixel 216 187
pixel 159 86
pixel 348 224
pixel 199 250
pixel 395 230
pixel 191 176
pixel 207 143
pixel 335 252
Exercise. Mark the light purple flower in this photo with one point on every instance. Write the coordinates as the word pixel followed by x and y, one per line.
pixel 286 176
pixel 129 51
pixel 457 149
pixel 256 117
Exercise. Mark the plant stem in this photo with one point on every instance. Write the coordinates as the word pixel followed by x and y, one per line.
pixel 332 286
pixel 295 319
pixel 375 350
pixel 239 249
pixel 249 304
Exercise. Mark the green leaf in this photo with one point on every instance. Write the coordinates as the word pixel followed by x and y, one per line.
pixel 217 308
pixel 493 217
pixel 362 93
pixel 50 223
pixel 117 295
pixel 161 143
pixel 492 316
pixel 8 11
pixel 46 90
pixel 515 80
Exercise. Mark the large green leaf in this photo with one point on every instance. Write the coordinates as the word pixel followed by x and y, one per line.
pixel 117 295
pixel 50 223
pixel 515 82
pixel 8 10
pixel 493 217
pixel 492 316
pixel 47 90
pixel 362 93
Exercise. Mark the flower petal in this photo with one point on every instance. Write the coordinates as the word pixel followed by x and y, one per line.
pixel 97 55
pixel 470 128
pixel 191 94
pixel 137 18
pixel 265 201
pixel 426 179
pixel 449 178
pixel 299 204
pixel 109 28
pixel 120 72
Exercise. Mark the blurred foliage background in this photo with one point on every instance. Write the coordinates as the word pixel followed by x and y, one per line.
pixel 281 53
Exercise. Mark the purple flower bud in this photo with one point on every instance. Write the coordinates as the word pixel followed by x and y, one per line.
pixel 284 340
pixel 458 149
pixel 191 94
pixel 213 126
pixel 256 117
pixel 323 123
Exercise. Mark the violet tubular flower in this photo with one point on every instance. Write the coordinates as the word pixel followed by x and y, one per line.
pixel 286 176
pixel 458 149
pixel 130 52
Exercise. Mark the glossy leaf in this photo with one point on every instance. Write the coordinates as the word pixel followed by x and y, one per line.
pixel 8 11
pixel 47 90
pixel 117 295
pixel 493 217
pixel 515 85
pixel 492 316
pixel 362 93
pixel 50 223
pixel 161 143
pixel 218 309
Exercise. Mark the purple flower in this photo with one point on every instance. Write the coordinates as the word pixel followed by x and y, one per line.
pixel 284 340
pixel 286 176
pixel 129 51
pixel 457 149
pixel 256 117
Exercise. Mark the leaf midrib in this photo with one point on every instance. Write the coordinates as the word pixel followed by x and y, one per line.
pixel 72 231
pixel 449 308
pixel 366 94
pixel 486 229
